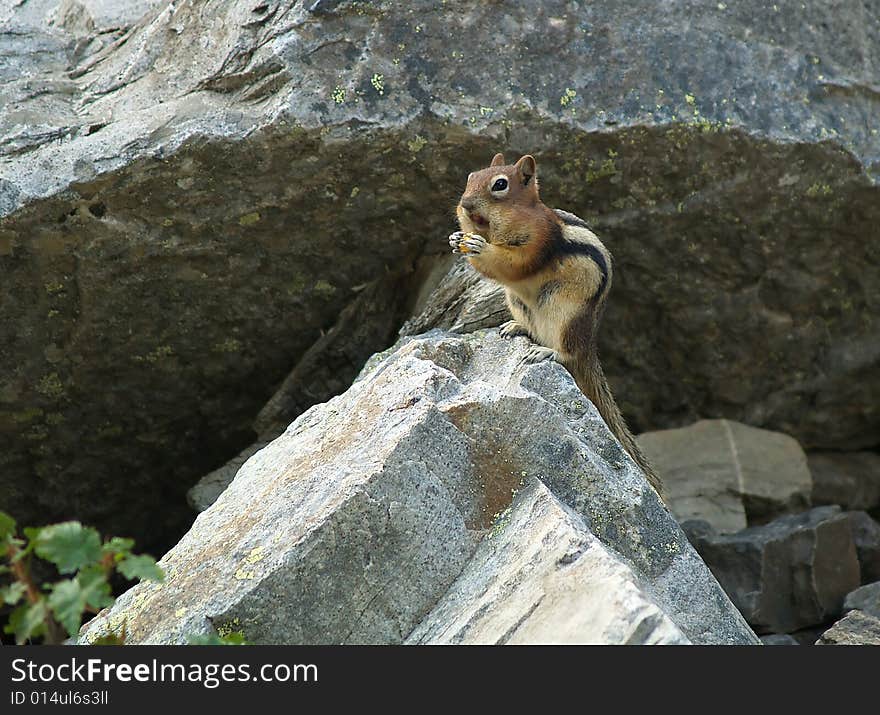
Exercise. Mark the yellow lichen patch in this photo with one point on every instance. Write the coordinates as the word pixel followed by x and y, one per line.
pixel 255 556
pixel 228 628
pixel 567 97
pixel 244 574
pixel 818 189
pixel 50 386
pixel 417 144
pixel 27 415
pixel 324 288
pixel 249 219
pixel 230 345
pixel 154 356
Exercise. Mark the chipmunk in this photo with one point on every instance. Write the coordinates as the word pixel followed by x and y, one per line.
pixel 556 274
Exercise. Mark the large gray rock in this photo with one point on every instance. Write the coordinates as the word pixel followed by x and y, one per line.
pixel 855 628
pixel 186 206
pixel 851 480
pixel 866 536
pixel 365 519
pixel 729 474
pixel 783 576
pixel 865 598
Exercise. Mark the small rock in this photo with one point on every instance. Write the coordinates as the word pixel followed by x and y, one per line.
pixel 808 636
pixel 850 479
pixel 855 628
pixel 786 575
pixel 865 599
pixel 866 535
pixel 779 639
pixel 729 474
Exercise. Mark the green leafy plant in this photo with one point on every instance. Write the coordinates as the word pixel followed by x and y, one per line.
pixel 54 611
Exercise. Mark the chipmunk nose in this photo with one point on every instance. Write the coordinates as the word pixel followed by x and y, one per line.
pixel 468 204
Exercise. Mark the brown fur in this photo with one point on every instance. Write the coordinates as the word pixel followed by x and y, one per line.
pixel 553 276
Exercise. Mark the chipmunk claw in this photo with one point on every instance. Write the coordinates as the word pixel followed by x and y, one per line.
pixel 512 329
pixel 470 243
pixel 538 353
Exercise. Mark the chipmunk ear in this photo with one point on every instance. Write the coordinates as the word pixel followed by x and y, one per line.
pixel 497 160
pixel 527 168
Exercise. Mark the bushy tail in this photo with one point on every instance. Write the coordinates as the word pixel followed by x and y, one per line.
pixel 591 380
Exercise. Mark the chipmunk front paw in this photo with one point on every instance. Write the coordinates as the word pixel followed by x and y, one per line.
pixel 511 329
pixel 469 243
pixel 538 353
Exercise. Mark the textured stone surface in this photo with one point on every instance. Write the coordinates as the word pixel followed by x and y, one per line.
pixel 786 575
pixel 208 488
pixel 851 480
pixel 866 536
pixel 541 577
pixel 187 203
pixel 463 301
pixel 729 474
pixel 865 598
pixel 855 628
pixel 354 524
pixel 779 639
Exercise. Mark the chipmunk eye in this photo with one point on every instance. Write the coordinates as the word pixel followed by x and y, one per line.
pixel 499 185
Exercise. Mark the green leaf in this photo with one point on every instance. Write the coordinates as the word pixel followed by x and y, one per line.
pixel 28 621
pixel 95 587
pixel 142 567
pixel 12 593
pixel 7 526
pixel 118 546
pixel 70 598
pixel 69 545
pixel 31 532
pixel 68 603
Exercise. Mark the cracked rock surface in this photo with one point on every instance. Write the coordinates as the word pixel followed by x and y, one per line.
pixel 450 495
pixel 191 192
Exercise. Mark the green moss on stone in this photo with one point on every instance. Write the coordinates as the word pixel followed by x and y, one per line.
pixel 51 386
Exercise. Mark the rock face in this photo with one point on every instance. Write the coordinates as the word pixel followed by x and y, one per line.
pixel 186 203
pixel 729 474
pixel 543 577
pixel 855 628
pixel 450 495
pixel 851 480
pixel 865 599
pixel 792 573
pixel 866 536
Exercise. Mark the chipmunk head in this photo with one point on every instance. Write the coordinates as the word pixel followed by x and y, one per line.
pixel 495 196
